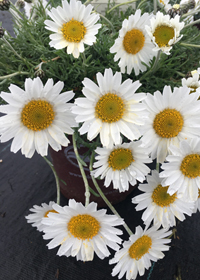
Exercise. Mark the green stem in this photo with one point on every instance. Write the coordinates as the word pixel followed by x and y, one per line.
pixel 17 11
pixel 154 6
pixel 87 2
pixel 121 4
pixel 87 190
pixel 192 23
pixel 180 74
pixel 14 51
pixel 158 166
pixel 104 197
pixel 153 68
pixel 190 13
pixel 56 178
pixel 108 21
pixel 140 4
pixel 13 74
pixel 190 45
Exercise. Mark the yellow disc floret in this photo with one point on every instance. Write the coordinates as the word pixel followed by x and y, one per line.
pixel 73 31
pixel 120 159
pixel 110 108
pixel 140 247
pixel 83 226
pixel 161 197
pixel 168 123
pixel 163 34
pixel 133 41
pixel 190 166
pixel 37 115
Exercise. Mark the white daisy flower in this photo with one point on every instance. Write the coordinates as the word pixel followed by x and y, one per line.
pixel 173 116
pixel 110 108
pixel 36 117
pixel 161 207
pixel 137 253
pixel 193 82
pixel 73 26
pixel 40 212
pixel 133 47
pixel 164 31
pixel 182 171
pixel 80 231
pixel 122 164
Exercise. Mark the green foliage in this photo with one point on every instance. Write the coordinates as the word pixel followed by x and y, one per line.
pixel 32 46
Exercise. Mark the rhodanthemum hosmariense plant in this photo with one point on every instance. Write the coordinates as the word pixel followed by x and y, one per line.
pixel 126 86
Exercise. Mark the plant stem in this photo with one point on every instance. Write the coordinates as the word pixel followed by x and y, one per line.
pixel 153 69
pixel 121 4
pixel 140 4
pixel 13 74
pixel 87 190
pixel 108 21
pixel 14 51
pixel 158 166
pixel 154 6
pixel 104 197
pixel 190 13
pixel 87 2
pixel 190 45
pixel 56 178
pixel 180 74
pixel 192 23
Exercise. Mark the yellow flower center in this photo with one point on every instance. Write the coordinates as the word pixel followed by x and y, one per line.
pixel 133 41
pixel 73 31
pixel 190 166
pixel 168 123
pixel 110 108
pixel 50 211
pixel 161 197
pixel 120 159
pixel 83 226
pixel 37 115
pixel 163 34
pixel 140 247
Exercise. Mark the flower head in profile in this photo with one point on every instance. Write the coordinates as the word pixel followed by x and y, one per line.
pixel 73 26
pixel 122 165
pixel 161 207
pixel 40 212
pixel 173 116
pixel 164 4
pixel 137 253
pixel 31 8
pixel 133 47
pixel 181 172
pixel 36 117
pixel 110 108
pixel 193 82
pixel 164 31
pixel 80 231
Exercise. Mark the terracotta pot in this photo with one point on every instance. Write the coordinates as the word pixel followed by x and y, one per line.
pixel 67 168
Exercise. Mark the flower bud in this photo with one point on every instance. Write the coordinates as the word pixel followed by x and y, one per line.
pixel 1 32
pixel 4 5
pixel 20 4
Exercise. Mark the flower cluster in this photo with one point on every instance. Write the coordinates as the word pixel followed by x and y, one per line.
pixel 116 87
